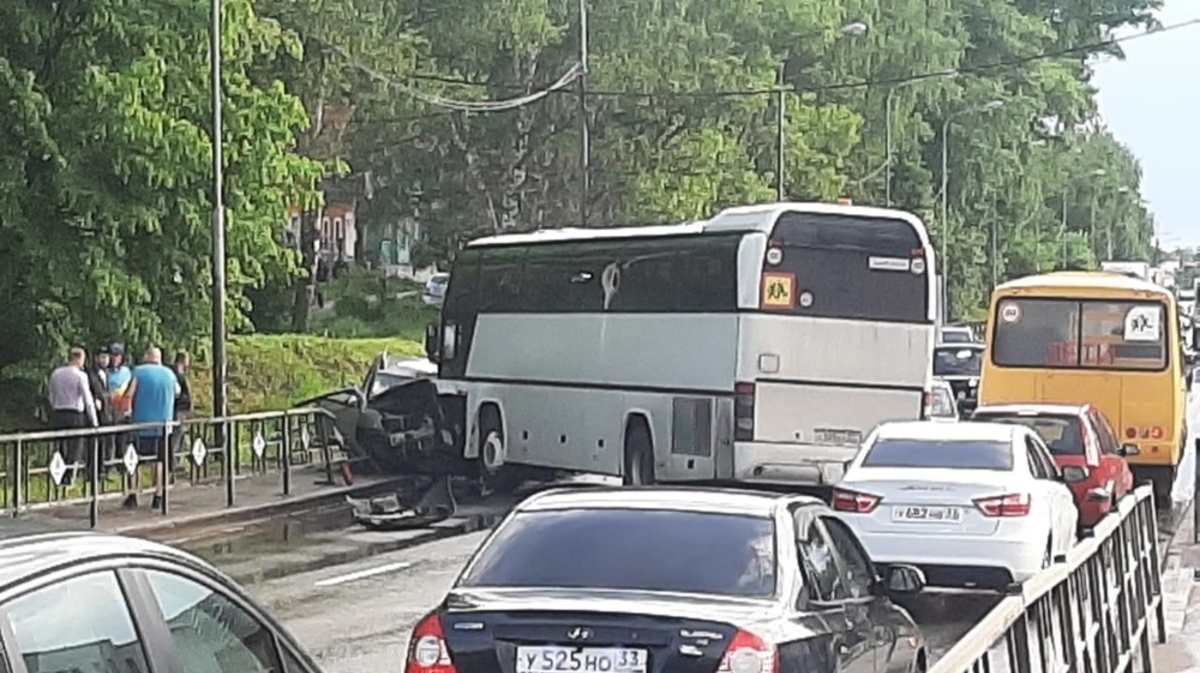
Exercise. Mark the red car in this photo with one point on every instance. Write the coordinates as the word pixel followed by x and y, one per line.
pixel 1084 446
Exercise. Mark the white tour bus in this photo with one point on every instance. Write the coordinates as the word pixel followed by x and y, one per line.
pixel 761 345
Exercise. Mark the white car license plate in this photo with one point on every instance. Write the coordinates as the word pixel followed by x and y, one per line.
pixel 927 514
pixel 552 659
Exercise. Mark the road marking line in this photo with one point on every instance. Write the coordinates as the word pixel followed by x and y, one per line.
pixel 363 574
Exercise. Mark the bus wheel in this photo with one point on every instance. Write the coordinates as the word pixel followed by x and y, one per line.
pixel 496 475
pixel 639 455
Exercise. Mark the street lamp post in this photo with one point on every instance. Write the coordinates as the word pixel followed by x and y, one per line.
pixel 889 101
pixel 855 28
pixel 220 403
pixel 1098 173
pixel 1108 226
pixel 945 214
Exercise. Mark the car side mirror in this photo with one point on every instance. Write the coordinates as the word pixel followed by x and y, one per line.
pixel 433 342
pixel 903 580
pixel 1073 474
pixel 1130 450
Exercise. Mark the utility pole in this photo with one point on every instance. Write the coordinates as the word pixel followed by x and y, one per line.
pixel 220 403
pixel 780 124
pixel 585 141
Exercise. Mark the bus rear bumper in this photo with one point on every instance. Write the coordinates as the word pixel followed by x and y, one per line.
pixel 807 464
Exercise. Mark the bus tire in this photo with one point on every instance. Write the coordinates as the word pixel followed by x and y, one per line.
pixel 501 477
pixel 639 454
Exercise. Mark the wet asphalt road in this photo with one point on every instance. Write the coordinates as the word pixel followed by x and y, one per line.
pixel 356 616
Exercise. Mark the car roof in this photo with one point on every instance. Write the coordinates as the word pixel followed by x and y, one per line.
pixel 411 364
pixel 925 430
pixel 1068 409
pixel 690 499
pixel 27 551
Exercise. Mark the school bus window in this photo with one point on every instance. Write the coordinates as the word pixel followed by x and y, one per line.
pixel 1123 335
pixel 1035 333
pixel 1058 333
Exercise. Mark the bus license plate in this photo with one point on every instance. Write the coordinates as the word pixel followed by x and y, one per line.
pixel 551 659
pixel 927 514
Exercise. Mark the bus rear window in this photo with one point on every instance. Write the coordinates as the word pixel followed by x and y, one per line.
pixel 857 268
pixel 1071 334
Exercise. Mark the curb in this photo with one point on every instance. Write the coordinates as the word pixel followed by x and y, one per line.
pixel 236 514
pixel 445 529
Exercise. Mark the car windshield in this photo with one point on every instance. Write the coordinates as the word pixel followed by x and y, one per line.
pixel 954 454
pixel 957 361
pixel 631 549
pixel 386 380
pixel 1062 434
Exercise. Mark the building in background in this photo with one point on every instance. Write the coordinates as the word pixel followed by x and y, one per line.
pixel 337 232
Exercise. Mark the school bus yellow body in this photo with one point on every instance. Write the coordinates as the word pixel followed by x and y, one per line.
pixel 1101 338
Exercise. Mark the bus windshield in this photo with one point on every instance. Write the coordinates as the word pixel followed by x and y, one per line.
pixel 1080 334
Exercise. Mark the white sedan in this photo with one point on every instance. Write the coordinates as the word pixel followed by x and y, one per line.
pixel 974 505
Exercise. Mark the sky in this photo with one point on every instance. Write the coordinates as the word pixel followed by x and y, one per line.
pixel 1151 102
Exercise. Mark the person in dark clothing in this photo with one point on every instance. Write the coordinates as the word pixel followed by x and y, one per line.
pixel 183 402
pixel 98 382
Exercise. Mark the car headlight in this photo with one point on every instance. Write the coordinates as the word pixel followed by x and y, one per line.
pixel 974 383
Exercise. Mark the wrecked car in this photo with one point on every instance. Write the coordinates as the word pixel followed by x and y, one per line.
pixel 394 418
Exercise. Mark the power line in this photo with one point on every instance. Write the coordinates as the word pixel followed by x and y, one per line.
pixel 890 81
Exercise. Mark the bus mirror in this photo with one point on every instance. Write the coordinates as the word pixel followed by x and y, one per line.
pixel 433 342
pixel 1130 450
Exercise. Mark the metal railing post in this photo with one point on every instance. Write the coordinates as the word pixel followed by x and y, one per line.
pixel 94 482
pixel 230 436
pixel 19 477
pixel 285 449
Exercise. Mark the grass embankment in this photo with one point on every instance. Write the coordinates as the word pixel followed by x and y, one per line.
pixel 268 372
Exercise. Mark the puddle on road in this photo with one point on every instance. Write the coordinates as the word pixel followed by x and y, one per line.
pixel 269 537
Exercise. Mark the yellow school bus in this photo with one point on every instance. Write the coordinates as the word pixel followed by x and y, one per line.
pixel 1094 337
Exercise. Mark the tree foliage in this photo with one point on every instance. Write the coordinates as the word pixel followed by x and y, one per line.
pixel 104 159
pixel 105 172
pixel 1034 185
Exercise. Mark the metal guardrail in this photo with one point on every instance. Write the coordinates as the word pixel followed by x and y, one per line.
pixel 42 469
pixel 1090 614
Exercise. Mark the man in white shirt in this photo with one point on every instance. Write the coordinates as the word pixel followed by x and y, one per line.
pixel 72 407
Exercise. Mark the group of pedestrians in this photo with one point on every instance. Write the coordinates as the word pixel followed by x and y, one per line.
pixel 108 392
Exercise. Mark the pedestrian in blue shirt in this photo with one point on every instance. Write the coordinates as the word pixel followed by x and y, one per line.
pixel 152 390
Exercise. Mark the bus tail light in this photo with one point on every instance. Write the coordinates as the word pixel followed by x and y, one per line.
pixel 743 412
pixel 1156 432
pixel 1131 433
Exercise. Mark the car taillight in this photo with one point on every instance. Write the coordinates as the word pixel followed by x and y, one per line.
pixel 427 650
pixel 845 500
pixel 1012 504
pixel 748 653
pixel 926 406
pixel 743 412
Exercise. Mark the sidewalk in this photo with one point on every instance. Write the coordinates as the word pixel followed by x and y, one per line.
pixel 1181 652
pixel 189 506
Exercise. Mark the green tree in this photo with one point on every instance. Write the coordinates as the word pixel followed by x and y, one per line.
pixel 104 216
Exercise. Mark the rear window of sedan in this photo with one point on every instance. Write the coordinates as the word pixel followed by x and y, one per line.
pixel 631 549
pixel 941 454
pixel 1062 434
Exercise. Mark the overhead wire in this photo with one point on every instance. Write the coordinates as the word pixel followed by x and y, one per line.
pixel 855 84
